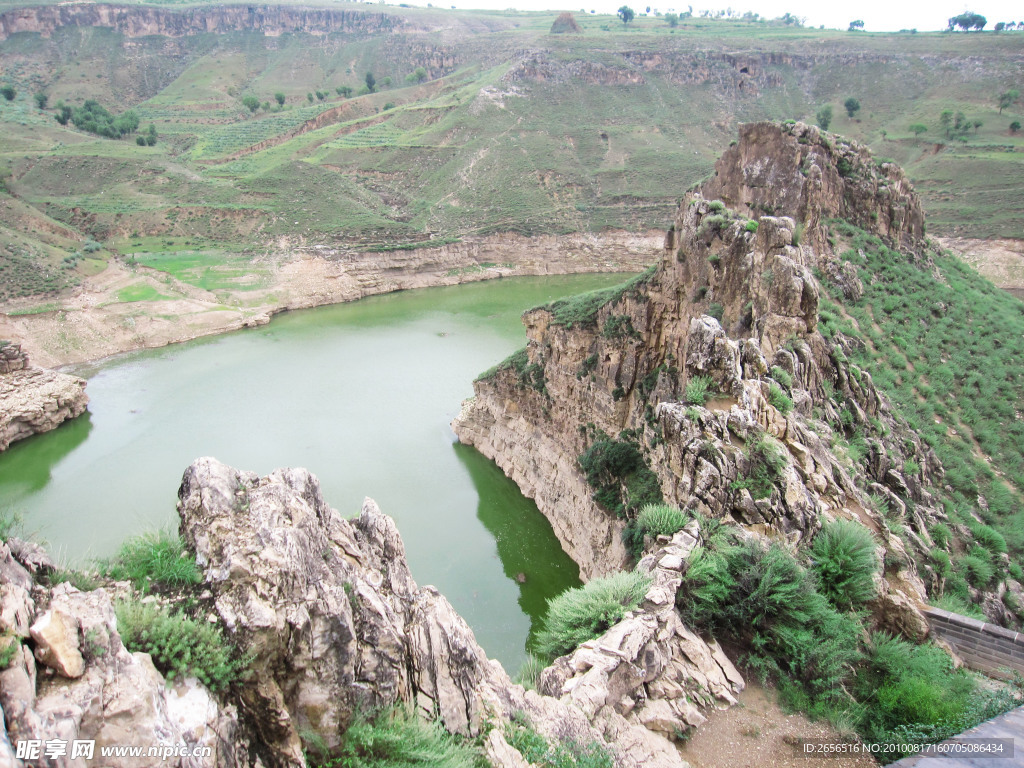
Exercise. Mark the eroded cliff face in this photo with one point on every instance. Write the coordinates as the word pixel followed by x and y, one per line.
pixel 734 302
pixel 32 399
pixel 139 21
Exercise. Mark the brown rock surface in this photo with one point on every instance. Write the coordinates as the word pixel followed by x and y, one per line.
pixel 34 400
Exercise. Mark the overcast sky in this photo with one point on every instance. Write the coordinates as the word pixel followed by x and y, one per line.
pixel 878 15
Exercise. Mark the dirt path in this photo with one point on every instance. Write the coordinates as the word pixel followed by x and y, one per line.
pixel 757 733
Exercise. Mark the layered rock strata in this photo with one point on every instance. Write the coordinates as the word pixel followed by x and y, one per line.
pixel 34 400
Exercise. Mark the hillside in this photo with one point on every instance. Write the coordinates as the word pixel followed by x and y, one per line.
pixel 490 125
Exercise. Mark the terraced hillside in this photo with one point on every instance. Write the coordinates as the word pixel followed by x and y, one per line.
pixel 479 124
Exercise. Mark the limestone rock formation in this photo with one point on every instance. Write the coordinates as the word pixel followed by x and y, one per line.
pixel 335 622
pixel 34 400
pixel 734 302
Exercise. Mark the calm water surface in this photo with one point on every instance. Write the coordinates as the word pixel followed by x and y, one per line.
pixel 361 394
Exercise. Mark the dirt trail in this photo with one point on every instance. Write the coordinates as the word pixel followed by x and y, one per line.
pixel 757 733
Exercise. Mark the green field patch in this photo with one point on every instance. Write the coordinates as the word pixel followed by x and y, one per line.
pixel 211 272
pixel 140 293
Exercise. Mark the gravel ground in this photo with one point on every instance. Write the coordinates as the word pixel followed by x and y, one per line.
pixel 757 733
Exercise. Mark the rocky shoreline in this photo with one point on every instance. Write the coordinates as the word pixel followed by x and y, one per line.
pixel 32 399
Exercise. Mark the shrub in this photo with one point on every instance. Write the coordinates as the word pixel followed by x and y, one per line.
pixel 180 646
pixel 712 224
pixel 530 671
pixel 750 226
pixel 716 311
pixel 717 206
pixel 781 375
pixel 698 389
pixel 767 459
pixel 153 559
pixel 394 737
pixel 10 646
pixel 661 519
pixel 538 752
pixel 586 612
pixel 779 399
pixel 988 537
pixel 619 474
pixel 977 570
pixel 844 564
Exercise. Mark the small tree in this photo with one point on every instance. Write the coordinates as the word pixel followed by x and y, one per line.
pixel 41 99
pixel 8 92
pixel 320 95
pixel 420 74
pixel 1005 99
pixel 855 26
pixel 917 129
pixel 309 97
pixel 251 102
pixel 672 19
pixel 371 82
pixel 852 107
pixel 946 118
pixel 977 124
pixel 1015 126
pixel 626 14
pixel 279 98
pixel 824 117
pixel 151 135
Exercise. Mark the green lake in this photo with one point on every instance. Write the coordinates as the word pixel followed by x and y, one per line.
pixel 362 395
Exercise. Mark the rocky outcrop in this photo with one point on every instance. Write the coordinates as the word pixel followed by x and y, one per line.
pixel 800 171
pixel 82 684
pixel 734 303
pixel 650 667
pixel 139 21
pixel 34 400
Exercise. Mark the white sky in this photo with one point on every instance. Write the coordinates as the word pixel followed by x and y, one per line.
pixel 878 15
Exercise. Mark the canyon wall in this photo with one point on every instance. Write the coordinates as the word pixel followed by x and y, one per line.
pixel 32 399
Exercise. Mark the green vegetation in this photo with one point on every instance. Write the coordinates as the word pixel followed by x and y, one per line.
pixel 889 691
pixel 541 753
pixel 823 117
pixel 528 374
pixel 93 117
pixel 779 399
pixel 844 564
pixel 781 375
pixel 619 475
pixel 393 737
pixel 699 389
pixel 944 345
pixel 153 560
pixel 180 646
pixel 766 459
pixel 581 614
pixel 581 310
pixel 653 520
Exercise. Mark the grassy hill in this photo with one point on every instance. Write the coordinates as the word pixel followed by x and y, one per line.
pixel 511 129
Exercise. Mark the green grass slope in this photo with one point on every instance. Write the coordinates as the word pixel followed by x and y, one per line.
pixel 513 129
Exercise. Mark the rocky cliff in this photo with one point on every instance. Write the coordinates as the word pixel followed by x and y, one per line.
pixel 139 21
pixel 331 622
pixel 32 399
pixel 732 309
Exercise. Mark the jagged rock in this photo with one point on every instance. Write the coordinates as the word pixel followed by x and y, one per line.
pixel 34 400
pixel 335 622
pixel 649 667
pixel 56 636
pixel 31 555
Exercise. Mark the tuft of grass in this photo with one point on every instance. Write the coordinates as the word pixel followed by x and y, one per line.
pixel 781 375
pixel 180 646
pixel 393 737
pixel 153 559
pixel 844 563
pixel 699 389
pixel 779 399
pixel 767 459
pixel 530 671
pixel 586 612
pixel 661 519
pixel 539 752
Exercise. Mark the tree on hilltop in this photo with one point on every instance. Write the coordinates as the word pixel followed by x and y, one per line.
pixel 856 26
pixel 626 14
pixel 565 22
pixel 968 20
pixel 917 129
